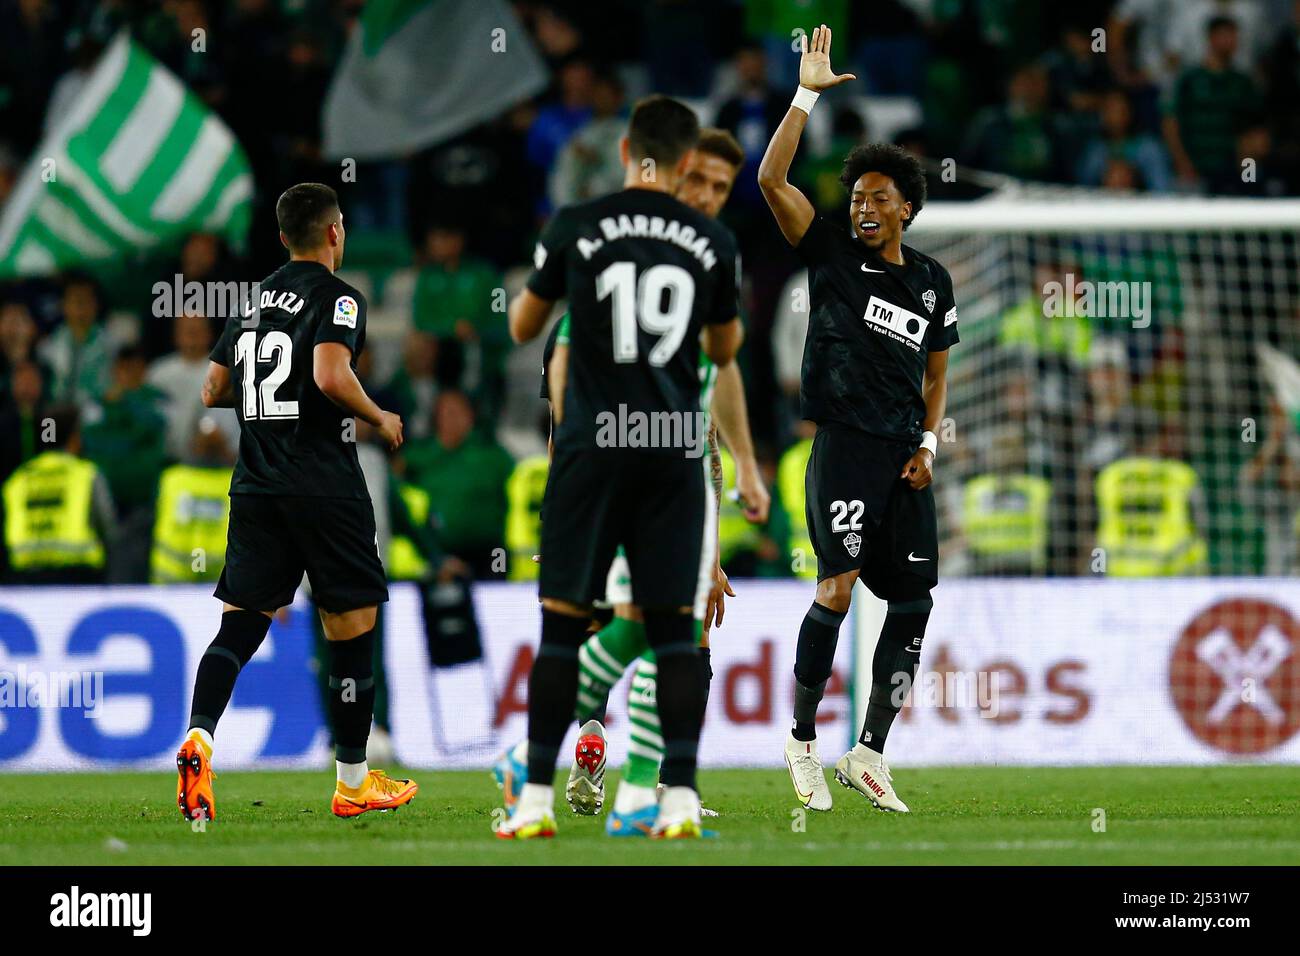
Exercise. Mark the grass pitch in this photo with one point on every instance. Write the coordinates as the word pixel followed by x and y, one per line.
pixel 976 815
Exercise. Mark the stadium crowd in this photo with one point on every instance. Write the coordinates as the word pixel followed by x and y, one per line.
pixel 1170 98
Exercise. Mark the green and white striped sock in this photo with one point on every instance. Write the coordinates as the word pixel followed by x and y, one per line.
pixel 601 662
pixel 645 752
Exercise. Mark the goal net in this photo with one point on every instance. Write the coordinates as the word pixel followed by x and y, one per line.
pixel 1123 430
pixel 1125 399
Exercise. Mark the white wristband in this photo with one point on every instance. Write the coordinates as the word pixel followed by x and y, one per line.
pixel 804 99
pixel 931 441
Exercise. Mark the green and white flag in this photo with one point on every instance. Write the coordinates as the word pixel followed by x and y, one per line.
pixel 139 162
pixel 1284 374
pixel 418 72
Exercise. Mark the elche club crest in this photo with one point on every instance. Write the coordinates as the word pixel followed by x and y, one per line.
pixel 853 543
pixel 929 299
pixel 1234 676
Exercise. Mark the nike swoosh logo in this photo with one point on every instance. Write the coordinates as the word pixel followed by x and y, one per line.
pixel 865 269
pixel 805 797
pixel 912 557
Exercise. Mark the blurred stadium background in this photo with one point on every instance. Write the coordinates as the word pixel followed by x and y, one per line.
pixel 1119 478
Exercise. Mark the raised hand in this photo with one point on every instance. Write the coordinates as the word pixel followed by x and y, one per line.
pixel 815 71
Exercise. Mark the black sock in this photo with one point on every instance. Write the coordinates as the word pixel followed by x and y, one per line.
pixel 240 635
pixel 352 695
pixel 893 668
pixel 679 693
pixel 706 673
pixel 552 692
pixel 814 657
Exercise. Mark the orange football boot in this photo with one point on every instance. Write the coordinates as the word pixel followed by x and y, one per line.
pixel 194 783
pixel 379 792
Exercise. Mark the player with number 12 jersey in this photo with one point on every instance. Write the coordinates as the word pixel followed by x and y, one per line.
pixel 298 499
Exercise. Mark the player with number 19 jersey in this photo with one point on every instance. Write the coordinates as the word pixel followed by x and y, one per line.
pixel 644 273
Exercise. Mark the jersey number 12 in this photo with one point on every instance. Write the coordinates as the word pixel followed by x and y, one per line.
pixel 259 399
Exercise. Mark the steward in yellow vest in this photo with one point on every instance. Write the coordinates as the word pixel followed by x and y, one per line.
pixel 736 534
pixel 1004 519
pixel 790 483
pixel 1146 528
pixel 412 547
pixel 191 517
pixel 525 489
pixel 53 531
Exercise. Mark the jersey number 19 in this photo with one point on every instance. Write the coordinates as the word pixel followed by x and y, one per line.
pixel 660 301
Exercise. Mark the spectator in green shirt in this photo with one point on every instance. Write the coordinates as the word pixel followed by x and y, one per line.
pixel 458 301
pixel 128 444
pixel 1209 107
pixel 464 472
pixel 78 351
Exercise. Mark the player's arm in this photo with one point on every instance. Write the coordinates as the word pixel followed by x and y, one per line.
pixel 934 390
pixel 715 607
pixel 527 315
pixel 732 416
pixel 547 284
pixel 216 391
pixel 791 207
pixel 722 341
pixel 557 375
pixel 331 370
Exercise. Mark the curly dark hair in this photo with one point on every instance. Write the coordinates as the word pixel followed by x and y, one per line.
pixel 892 161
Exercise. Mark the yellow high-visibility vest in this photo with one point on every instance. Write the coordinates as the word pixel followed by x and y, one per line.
pixel 405 563
pixel 48 504
pixel 735 533
pixel 525 489
pixel 790 481
pixel 191 517
pixel 1004 517
pixel 1145 527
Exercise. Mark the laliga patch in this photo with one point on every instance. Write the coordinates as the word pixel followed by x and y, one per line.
pixel 950 317
pixel 345 311
pixel 928 298
pixel 853 543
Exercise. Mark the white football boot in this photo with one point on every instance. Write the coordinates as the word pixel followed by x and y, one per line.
pixel 533 816
pixel 679 815
pixel 704 811
pixel 806 773
pixel 864 770
pixel 585 790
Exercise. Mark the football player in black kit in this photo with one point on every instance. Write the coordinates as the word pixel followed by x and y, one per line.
pixel 298 500
pixel 649 281
pixel 874 381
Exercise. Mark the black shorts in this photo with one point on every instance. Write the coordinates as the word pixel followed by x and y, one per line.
pixel 862 516
pixel 654 505
pixel 273 540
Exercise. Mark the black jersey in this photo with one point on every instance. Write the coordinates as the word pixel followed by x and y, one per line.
pixel 643 274
pixel 871 327
pixel 292 439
